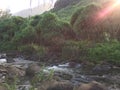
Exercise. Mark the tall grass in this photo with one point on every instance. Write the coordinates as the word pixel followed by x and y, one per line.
pixel 11 85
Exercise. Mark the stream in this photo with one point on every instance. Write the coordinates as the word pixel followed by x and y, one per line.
pixel 76 73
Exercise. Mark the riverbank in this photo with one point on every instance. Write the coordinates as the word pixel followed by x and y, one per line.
pixel 75 73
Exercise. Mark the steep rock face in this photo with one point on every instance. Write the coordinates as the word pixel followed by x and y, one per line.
pixel 63 3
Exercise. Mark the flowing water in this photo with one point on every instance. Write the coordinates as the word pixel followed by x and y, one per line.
pixel 76 74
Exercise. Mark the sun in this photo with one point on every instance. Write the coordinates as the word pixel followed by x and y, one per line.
pixel 116 3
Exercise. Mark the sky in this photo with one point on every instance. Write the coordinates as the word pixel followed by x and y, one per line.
pixel 18 5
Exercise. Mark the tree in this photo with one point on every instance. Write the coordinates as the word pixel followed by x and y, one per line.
pixel 25 36
pixel 85 25
pixel 4 14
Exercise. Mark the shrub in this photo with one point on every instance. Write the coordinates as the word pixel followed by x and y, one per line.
pixel 84 24
pixel 42 76
pixel 7 28
pixel 31 49
pixel 7 46
pixel 18 20
pixel 75 50
pixel 11 85
pixel 39 50
pixel 54 32
pixel 35 20
pixel 109 52
pixel 50 24
pixel 26 49
pixel 89 25
pixel 4 14
pixel 24 36
pixel 47 26
pixel 76 15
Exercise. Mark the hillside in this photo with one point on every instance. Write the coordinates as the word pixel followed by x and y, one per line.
pixel 67 32
pixel 34 11
pixel 66 8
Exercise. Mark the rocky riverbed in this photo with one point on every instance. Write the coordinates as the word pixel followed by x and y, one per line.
pixel 72 72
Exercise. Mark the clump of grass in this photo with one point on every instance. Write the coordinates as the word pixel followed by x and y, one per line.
pixel 42 77
pixel 38 78
pixel 11 86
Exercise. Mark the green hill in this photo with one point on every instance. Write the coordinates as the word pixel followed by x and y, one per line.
pixel 66 8
pixel 73 30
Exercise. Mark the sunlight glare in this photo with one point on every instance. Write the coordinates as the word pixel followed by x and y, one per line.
pixel 109 9
pixel 118 2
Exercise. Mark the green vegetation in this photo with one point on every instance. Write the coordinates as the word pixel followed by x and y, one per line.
pixel 69 32
pixel 66 8
pixel 10 86
pixel 82 25
pixel 75 50
pixel 42 77
pixel 109 52
pixel 25 36
pixel 39 78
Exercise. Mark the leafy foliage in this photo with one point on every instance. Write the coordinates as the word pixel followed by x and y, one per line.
pixel 35 20
pixel 7 46
pixel 75 50
pixel 31 49
pixel 66 8
pixel 25 36
pixel 84 24
pixel 109 52
pixel 4 14
pixel 69 31
pixel 53 31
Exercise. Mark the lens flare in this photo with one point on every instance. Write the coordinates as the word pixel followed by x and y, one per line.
pixel 118 1
pixel 109 9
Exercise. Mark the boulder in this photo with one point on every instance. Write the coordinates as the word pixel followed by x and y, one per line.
pixel 3 55
pixel 2 69
pixel 13 73
pixel 63 85
pixel 64 76
pixel 44 85
pixel 10 72
pixel 92 86
pixel 102 68
pixel 32 69
pixel 74 65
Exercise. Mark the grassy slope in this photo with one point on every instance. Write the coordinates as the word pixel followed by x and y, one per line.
pixel 66 13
